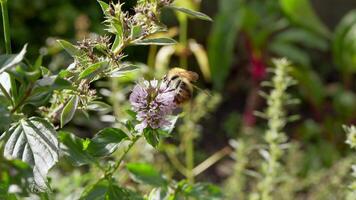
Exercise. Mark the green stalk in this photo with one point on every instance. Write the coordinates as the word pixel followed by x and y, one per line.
pixel 152 56
pixel 189 156
pixel 183 40
pixel 3 90
pixel 7 38
pixel 6 26
pixel 118 163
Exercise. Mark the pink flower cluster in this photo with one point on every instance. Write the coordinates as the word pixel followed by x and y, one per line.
pixel 153 101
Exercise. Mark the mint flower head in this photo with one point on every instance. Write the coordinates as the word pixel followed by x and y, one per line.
pixel 153 101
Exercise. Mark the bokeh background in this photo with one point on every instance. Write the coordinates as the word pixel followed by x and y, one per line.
pixel 232 54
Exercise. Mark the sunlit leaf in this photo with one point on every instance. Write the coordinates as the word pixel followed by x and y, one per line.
pixel 156 41
pixel 8 61
pixel 202 58
pixel 145 174
pixel 93 70
pixel 99 106
pixel 33 141
pixel 69 110
pixel 70 48
pixel 104 6
pixel 119 72
pixel 192 13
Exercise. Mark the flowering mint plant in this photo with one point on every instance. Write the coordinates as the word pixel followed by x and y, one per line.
pixel 153 101
pixel 36 104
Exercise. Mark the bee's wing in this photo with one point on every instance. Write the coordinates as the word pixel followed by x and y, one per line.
pixel 192 76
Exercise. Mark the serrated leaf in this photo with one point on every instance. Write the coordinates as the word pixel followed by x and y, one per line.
pixel 33 141
pixel 192 13
pixel 93 70
pixel 105 189
pixel 73 149
pixel 146 174
pixel 8 61
pixel 69 110
pixel 106 141
pixel 69 47
pixel 156 41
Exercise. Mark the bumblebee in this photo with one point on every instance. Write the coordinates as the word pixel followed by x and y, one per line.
pixel 180 80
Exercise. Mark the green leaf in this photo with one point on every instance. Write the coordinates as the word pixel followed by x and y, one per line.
pixel 50 83
pixel 146 174
pixel 192 13
pixel 290 51
pixel 73 149
pixel 156 41
pixel 117 42
pixel 152 136
pixel 106 141
pixel 70 48
pixel 344 43
pixel 305 77
pixel 8 61
pixel 302 13
pixel 201 191
pixel 33 141
pixel 301 36
pixel 119 72
pixel 106 189
pixel 222 40
pixel 136 32
pixel 93 70
pixel 99 106
pixel 69 110
pixel 104 6
pixel 5 118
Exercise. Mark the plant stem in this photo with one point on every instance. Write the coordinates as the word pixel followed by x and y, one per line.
pixel 183 35
pixel 211 160
pixel 7 38
pixel 6 26
pixel 23 99
pixel 152 56
pixel 189 156
pixel 3 90
pixel 117 165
